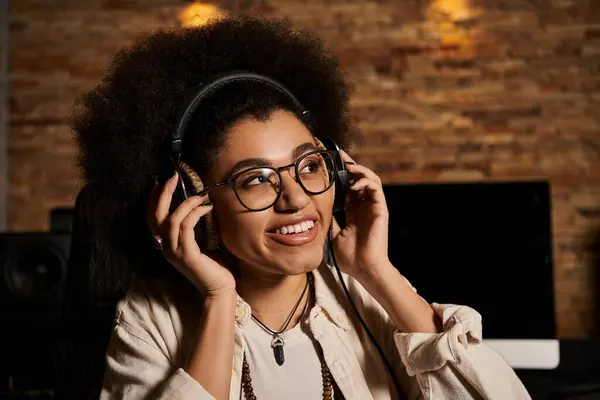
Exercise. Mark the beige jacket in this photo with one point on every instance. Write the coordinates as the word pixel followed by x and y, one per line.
pixel 156 323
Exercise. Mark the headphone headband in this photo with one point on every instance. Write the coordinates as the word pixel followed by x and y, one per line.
pixel 215 83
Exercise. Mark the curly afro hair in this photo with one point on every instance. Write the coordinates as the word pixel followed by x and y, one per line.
pixel 123 125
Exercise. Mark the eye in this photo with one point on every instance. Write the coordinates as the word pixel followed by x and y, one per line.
pixel 254 180
pixel 310 167
pixel 312 163
pixel 257 178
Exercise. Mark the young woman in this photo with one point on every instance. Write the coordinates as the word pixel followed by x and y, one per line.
pixel 265 315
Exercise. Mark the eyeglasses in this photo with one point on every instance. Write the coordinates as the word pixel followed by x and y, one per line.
pixel 259 188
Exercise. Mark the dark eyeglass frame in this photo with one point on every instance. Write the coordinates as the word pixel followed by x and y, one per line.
pixel 231 180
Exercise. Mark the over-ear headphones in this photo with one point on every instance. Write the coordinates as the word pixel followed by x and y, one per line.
pixel 190 182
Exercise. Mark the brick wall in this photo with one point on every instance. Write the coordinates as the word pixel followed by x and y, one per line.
pixel 445 91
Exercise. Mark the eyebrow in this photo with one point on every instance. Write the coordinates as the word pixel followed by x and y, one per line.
pixel 261 162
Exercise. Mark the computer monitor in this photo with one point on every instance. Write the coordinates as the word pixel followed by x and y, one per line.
pixel 488 246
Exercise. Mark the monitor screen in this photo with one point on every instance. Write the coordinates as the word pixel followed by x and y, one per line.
pixel 485 245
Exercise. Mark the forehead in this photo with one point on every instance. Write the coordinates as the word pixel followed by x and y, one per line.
pixel 273 139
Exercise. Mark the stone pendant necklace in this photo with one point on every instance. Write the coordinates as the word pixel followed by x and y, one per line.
pixel 277 343
pixel 331 391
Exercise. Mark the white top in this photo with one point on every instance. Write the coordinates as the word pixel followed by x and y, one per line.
pixel 299 378
pixel 156 324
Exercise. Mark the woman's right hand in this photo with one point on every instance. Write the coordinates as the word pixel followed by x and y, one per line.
pixel 179 244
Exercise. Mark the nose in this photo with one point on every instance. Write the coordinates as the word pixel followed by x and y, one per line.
pixel 292 196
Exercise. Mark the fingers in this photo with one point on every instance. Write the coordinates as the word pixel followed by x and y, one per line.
pixel 163 202
pixel 358 170
pixel 172 225
pixel 364 184
pixel 366 180
pixel 187 236
pixel 346 158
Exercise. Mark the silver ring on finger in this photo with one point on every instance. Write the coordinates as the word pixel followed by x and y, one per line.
pixel 158 242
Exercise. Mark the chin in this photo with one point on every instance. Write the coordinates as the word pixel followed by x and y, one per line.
pixel 294 257
pixel 297 264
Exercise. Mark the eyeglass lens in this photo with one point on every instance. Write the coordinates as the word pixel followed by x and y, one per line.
pixel 258 188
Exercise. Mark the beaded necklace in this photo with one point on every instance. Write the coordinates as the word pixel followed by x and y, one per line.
pixel 330 388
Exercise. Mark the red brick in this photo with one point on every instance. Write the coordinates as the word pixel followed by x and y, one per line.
pixel 517 99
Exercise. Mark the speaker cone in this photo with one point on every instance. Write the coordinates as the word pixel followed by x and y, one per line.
pixel 35 272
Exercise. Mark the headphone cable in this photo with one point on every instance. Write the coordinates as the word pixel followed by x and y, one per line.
pixel 369 333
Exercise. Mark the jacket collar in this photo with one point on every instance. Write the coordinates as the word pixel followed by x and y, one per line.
pixel 329 298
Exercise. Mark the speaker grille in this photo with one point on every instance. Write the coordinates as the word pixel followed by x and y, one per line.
pixel 35 272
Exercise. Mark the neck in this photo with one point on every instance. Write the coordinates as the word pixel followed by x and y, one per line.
pixel 273 297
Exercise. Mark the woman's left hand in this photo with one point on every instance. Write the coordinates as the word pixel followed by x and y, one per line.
pixel 362 246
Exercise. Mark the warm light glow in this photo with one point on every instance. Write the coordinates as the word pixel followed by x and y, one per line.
pixel 456 10
pixel 447 16
pixel 198 14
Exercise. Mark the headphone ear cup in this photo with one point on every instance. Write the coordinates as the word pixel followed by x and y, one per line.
pixel 206 232
pixel 341 190
pixel 342 176
pixel 207 235
pixel 184 185
pixel 211 231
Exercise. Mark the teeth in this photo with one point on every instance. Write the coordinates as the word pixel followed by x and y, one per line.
pixel 301 227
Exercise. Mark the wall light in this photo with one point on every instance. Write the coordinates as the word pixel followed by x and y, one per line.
pixel 456 10
pixel 198 14
pixel 451 20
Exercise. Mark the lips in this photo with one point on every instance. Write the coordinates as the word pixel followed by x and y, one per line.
pixel 295 239
pixel 291 220
pixel 296 228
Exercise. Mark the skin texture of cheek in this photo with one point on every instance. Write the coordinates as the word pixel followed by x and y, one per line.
pixel 244 235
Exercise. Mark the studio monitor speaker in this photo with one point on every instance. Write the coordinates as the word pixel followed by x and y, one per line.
pixel 33 269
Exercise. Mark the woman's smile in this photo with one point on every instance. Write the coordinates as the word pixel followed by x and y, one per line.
pixel 296 234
